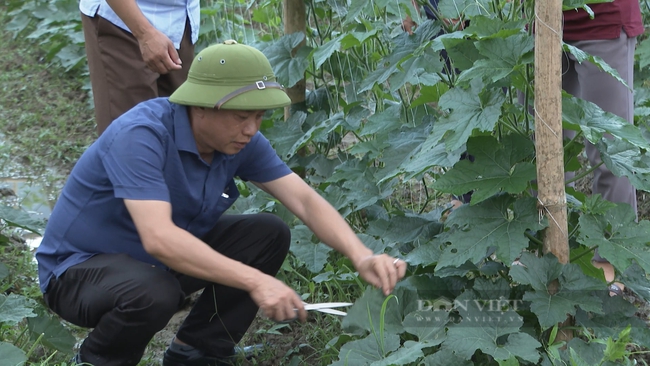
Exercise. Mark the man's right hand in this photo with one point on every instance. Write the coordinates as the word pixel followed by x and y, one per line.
pixel 277 300
pixel 158 52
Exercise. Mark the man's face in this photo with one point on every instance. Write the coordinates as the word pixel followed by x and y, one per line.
pixel 224 130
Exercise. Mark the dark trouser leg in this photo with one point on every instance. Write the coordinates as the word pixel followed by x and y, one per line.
pixel 126 302
pixel 222 314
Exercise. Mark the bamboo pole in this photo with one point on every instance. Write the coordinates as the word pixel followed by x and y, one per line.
pixel 548 135
pixel 294 13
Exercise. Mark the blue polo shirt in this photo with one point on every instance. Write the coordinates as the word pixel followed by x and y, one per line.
pixel 149 153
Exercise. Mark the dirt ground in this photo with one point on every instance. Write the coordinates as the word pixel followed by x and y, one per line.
pixel 282 344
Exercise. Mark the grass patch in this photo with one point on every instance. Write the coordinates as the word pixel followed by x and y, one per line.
pixel 45 117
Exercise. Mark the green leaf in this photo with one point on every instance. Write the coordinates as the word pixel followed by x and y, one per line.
pixel 617 315
pixel 323 52
pixel 575 288
pixel 319 130
pixel 404 229
pixel 595 123
pixel 425 254
pixel 625 159
pixel 584 255
pixel 512 361
pixel 385 121
pixel 419 70
pixel 19 218
pixel 408 353
pixel 576 360
pixel 378 76
pixel 14 308
pixel 636 280
pixel 474 109
pixel 283 136
pixel 446 357
pixel 643 53
pixel 4 271
pixel 497 167
pixel 367 350
pixel 588 353
pixel 364 315
pixel 488 289
pixel 481 329
pixel 617 349
pixel 503 57
pixel 494 27
pixel 491 226
pixel 54 334
pixel 427 325
pixel 462 52
pixel 288 69
pixel 618 236
pixel 313 255
pixel 430 94
pixel 581 56
pixel 413 155
pixel 364 192
pixel 11 355
pixel 454 9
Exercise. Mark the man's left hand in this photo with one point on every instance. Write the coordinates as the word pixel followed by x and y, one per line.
pixel 382 271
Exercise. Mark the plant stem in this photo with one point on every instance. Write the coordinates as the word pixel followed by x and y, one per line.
pixel 584 174
pixel 591 249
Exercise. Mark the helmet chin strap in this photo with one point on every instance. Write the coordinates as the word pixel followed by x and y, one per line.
pixel 258 85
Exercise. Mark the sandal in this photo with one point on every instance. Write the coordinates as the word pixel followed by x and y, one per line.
pixel 615 290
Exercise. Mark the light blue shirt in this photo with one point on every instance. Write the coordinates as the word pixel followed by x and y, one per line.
pixel 168 16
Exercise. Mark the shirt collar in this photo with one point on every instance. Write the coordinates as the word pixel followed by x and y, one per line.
pixel 183 136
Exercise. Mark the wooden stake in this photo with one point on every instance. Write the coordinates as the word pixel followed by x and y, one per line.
pixel 548 135
pixel 548 126
pixel 294 13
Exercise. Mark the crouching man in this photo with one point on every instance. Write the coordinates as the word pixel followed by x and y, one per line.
pixel 139 224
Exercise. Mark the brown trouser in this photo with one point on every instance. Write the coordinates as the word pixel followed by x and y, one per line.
pixel 120 79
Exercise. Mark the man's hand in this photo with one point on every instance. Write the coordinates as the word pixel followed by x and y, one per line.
pixel 158 52
pixel 278 301
pixel 382 271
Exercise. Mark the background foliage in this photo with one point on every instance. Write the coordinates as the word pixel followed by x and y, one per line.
pixel 381 135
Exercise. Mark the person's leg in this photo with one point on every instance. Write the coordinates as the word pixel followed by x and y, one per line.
pixel 120 79
pixel 222 314
pixel 168 83
pixel 610 95
pixel 126 302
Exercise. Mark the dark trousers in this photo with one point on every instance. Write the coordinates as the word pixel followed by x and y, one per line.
pixel 119 76
pixel 127 301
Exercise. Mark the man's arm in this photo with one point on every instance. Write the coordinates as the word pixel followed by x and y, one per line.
pixel 328 225
pixel 185 253
pixel 158 52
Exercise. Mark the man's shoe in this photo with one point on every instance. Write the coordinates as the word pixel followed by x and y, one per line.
pixel 172 358
pixel 76 360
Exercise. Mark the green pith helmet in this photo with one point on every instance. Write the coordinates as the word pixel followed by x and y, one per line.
pixel 231 76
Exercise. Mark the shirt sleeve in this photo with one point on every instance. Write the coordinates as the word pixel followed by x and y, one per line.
pixel 134 161
pixel 261 163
